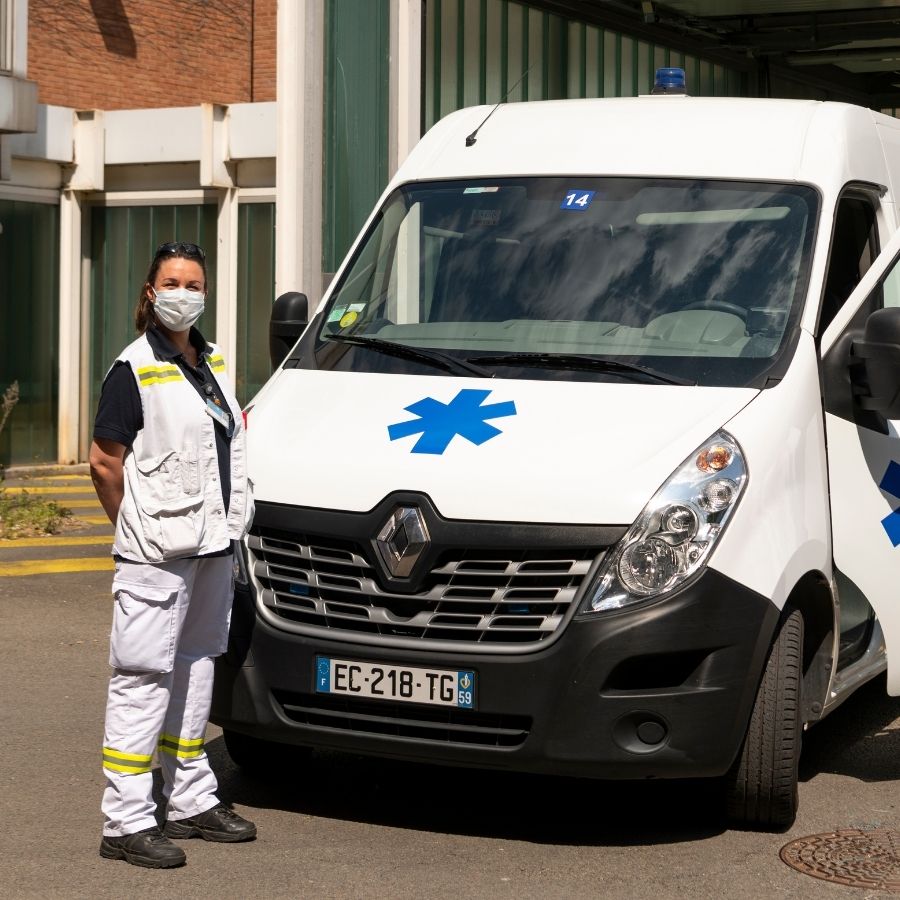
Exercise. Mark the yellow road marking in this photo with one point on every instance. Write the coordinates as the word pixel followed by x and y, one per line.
pixel 48 490
pixel 41 478
pixel 56 541
pixel 95 520
pixel 82 504
pixel 54 566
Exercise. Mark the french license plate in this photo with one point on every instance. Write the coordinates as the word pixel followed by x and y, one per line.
pixel 440 687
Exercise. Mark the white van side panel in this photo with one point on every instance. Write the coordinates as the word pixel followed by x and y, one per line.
pixel 781 529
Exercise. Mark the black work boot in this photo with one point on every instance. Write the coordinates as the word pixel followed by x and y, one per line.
pixel 216 824
pixel 149 848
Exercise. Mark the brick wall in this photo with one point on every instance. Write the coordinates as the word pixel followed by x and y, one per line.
pixel 264 15
pixel 135 54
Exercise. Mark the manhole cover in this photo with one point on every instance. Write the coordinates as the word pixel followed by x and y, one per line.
pixel 868 859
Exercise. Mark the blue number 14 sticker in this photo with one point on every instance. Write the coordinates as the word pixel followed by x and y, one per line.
pixel 578 200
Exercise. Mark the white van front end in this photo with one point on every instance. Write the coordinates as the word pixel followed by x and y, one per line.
pixel 545 484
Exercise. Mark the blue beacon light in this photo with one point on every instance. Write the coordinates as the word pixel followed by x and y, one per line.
pixel 669 81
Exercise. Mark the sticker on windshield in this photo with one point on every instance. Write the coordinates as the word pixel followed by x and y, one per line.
pixel 577 200
pixel 481 190
pixel 486 217
pixel 339 313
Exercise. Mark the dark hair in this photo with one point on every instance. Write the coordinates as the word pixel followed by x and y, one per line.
pixel 143 313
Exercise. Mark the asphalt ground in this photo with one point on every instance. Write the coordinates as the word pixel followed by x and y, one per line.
pixel 339 826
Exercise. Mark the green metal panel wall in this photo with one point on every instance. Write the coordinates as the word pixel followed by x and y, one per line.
pixel 477 50
pixel 29 328
pixel 357 42
pixel 256 293
pixel 123 241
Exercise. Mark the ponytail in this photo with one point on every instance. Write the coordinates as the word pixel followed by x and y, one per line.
pixel 144 316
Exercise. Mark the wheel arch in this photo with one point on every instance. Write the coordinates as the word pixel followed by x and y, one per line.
pixel 813 597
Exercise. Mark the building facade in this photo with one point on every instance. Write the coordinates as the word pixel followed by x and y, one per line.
pixel 263 131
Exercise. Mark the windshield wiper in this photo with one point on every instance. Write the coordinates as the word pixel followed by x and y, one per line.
pixel 421 354
pixel 578 361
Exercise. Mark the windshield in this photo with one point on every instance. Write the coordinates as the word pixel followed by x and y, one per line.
pixel 593 278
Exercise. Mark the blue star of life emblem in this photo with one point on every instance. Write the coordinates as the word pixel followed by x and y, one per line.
pixel 890 484
pixel 438 423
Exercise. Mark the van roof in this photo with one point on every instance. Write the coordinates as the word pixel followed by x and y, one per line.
pixel 820 143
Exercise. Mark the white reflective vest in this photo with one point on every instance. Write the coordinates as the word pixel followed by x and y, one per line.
pixel 172 505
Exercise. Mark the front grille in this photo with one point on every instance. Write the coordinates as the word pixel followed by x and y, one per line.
pixel 451 726
pixel 469 595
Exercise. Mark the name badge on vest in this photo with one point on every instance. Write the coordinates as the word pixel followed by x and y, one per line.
pixel 219 415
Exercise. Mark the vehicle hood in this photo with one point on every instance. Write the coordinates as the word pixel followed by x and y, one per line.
pixel 484 449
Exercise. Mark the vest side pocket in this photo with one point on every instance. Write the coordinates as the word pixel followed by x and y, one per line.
pixel 179 531
pixel 173 527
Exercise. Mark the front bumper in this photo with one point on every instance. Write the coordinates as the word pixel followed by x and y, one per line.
pixel 664 690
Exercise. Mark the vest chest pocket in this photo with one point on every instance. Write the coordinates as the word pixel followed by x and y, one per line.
pixel 170 504
pixel 168 478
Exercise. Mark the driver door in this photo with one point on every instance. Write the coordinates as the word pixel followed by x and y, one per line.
pixel 864 462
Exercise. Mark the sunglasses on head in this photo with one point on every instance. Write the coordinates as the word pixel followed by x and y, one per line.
pixel 180 248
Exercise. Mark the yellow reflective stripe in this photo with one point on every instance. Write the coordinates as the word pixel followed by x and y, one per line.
pixel 146 382
pixel 147 371
pixel 130 763
pixel 148 375
pixel 181 754
pixel 188 743
pixel 128 770
pixel 130 757
pixel 186 748
pixel 217 363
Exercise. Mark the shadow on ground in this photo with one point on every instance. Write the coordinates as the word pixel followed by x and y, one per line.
pixel 861 740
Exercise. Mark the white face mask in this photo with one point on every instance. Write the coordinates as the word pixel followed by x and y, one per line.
pixel 179 309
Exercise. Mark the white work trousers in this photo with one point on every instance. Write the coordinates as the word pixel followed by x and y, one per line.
pixel 170 620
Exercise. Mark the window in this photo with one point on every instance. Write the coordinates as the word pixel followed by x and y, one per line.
pixel 854 246
pixel 29 310
pixel 665 273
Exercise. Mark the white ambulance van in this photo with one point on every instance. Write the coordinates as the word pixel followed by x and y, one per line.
pixel 588 462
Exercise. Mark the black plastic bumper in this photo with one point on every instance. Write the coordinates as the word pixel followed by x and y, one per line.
pixel 660 691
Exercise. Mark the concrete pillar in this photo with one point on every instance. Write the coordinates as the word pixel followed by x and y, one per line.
pixel 70 279
pixel 227 276
pixel 299 172
pixel 85 174
pixel 405 80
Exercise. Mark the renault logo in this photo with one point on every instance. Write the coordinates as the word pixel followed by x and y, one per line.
pixel 401 540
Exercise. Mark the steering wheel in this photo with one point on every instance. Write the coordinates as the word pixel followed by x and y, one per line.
pixel 721 306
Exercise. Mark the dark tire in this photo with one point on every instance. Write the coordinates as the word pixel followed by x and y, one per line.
pixel 257 757
pixel 762 787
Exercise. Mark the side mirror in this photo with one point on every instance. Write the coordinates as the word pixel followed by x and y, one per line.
pixel 290 315
pixel 880 352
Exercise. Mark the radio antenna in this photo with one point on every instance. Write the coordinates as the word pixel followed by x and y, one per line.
pixel 470 139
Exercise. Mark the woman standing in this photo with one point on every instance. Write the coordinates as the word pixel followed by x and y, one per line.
pixel 167 462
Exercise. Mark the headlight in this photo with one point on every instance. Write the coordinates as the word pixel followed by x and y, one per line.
pixel 673 536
